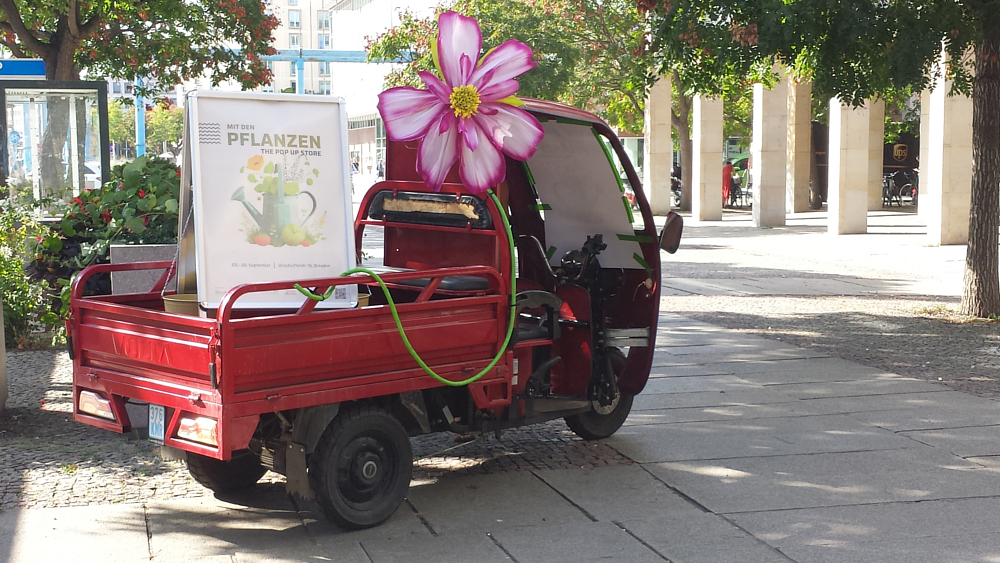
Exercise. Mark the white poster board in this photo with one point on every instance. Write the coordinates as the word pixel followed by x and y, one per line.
pixel 272 194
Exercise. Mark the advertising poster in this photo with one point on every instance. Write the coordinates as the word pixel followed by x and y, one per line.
pixel 272 196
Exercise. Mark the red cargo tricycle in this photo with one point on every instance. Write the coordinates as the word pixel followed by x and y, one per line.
pixel 476 322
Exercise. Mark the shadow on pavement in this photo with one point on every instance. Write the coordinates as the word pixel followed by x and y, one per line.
pixel 931 343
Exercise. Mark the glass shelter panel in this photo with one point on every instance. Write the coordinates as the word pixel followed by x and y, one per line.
pixel 56 142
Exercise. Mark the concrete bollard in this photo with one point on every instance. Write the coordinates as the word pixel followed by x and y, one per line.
pixel 3 365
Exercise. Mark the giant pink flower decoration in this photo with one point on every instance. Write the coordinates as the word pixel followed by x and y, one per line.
pixel 472 115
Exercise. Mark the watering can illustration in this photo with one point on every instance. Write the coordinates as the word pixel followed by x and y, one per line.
pixel 279 209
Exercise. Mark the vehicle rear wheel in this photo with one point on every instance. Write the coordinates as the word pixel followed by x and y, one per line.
pixel 240 472
pixel 601 422
pixel 361 468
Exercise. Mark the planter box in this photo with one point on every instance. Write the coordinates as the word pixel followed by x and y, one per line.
pixel 140 281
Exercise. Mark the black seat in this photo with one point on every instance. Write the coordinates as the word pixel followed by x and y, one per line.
pixel 531 332
pixel 452 283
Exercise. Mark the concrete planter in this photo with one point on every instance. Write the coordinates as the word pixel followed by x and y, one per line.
pixel 133 282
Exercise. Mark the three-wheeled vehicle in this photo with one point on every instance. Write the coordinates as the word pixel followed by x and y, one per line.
pixel 550 316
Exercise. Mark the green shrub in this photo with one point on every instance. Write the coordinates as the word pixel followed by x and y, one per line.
pixel 137 206
pixel 24 301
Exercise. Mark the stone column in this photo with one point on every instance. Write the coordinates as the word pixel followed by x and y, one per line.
pixel 946 166
pixel 847 200
pixel 876 147
pixel 707 159
pixel 658 148
pixel 768 154
pixel 799 136
pixel 925 138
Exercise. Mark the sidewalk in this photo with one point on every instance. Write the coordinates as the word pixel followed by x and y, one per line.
pixel 741 448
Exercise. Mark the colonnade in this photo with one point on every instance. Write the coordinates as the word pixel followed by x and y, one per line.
pixel 780 158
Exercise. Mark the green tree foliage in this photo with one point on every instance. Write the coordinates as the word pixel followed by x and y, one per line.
pixel 856 50
pixel 121 124
pixel 590 53
pixel 164 127
pixel 23 298
pixel 164 40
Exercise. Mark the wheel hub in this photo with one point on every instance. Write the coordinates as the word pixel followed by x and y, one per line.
pixel 606 410
pixel 366 468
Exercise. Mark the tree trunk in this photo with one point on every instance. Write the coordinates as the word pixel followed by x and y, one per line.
pixel 681 119
pixel 55 173
pixel 53 167
pixel 981 296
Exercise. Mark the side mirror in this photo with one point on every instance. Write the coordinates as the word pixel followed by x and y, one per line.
pixel 670 238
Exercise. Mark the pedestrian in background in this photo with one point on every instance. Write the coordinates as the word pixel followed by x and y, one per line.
pixel 727 181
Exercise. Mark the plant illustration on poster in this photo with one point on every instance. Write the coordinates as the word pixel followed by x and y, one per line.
pixel 271 194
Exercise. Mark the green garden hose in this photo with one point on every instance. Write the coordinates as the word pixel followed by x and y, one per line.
pixel 399 324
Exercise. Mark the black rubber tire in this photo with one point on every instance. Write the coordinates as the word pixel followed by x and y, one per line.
pixel 593 425
pixel 241 472
pixel 360 439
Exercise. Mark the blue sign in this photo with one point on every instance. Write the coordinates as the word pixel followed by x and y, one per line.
pixel 22 69
pixel 15 137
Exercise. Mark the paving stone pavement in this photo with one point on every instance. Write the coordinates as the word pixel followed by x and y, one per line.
pixel 804 405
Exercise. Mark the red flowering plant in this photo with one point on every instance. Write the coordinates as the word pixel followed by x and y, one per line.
pixel 137 206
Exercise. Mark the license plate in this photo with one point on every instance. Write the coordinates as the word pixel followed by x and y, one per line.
pixel 157 425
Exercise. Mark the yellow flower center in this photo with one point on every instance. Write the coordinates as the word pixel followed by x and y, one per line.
pixel 464 100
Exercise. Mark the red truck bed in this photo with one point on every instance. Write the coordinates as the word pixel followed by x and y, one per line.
pixel 243 364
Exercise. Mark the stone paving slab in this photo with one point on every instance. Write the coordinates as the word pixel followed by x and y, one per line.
pixel 741 412
pixel 476 547
pixel 755 354
pixel 574 543
pixel 836 479
pixel 698 384
pixel 980 549
pixel 79 534
pixel 616 494
pixel 793 370
pixel 680 286
pixel 699 537
pixel 964 442
pixel 812 286
pixel 914 411
pixel 262 521
pixel 725 346
pixel 879 385
pixel 706 399
pixel 973 519
pixel 765 437
pixel 473 504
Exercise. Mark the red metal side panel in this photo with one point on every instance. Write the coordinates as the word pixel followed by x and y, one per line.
pixel 143 342
pixel 342 348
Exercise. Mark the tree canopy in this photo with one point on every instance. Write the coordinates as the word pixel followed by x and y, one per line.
pixel 167 41
pixel 857 50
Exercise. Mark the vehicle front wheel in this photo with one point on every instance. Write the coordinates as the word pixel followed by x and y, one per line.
pixel 601 422
pixel 361 468
pixel 241 472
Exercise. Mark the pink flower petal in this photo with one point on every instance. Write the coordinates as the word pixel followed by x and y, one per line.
pixel 408 112
pixel 512 130
pixel 498 91
pixel 470 133
pixel 434 84
pixel 482 168
pixel 437 154
pixel 510 60
pixel 457 36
